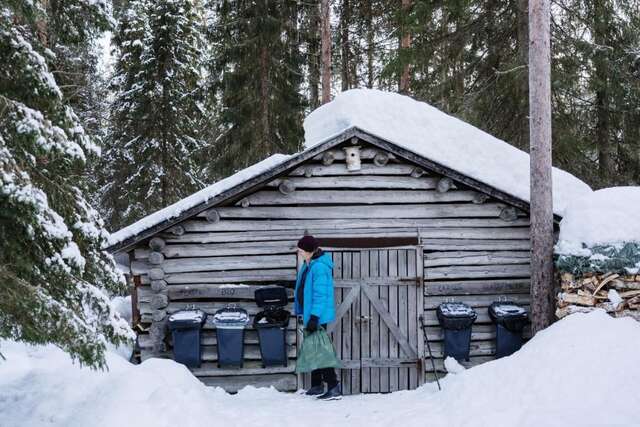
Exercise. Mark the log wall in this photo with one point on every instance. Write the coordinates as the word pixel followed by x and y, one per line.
pixel 476 250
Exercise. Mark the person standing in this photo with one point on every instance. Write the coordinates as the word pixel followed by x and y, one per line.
pixel 313 301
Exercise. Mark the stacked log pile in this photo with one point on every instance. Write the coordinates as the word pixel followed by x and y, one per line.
pixel 618 295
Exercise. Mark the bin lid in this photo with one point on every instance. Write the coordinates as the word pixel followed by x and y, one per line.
pixel 187 317
pixel 456 309
pixel 231 315
pixel 507 309
pixel 271 296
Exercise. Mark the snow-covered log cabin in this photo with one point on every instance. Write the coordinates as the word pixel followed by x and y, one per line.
pixel 416 208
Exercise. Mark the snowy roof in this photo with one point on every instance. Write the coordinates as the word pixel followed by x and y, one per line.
pixel 196 199
pixel 409 124
pixel 428 132
pixel 604 217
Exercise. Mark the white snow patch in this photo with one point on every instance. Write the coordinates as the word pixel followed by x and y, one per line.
pixel 604 217
pixel 444 139
pixel 197 198
pixel 452 366
pixel 615 298
pixel 549 382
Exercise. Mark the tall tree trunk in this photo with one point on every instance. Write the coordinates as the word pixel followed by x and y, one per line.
pixel 541 180
pixel 370 41
pixel 523 53
pixel 405 43
pixel 264 101
pixel 345 22
pixel 325 25
pixel 601 76
pixel 314 56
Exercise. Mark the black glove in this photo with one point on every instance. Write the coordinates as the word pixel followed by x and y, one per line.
pixel 312 324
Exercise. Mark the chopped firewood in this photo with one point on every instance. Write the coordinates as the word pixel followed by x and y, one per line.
pixel 608 306
pixel 629 294
pixel 570 309
pixel 578 299
pixel 605 281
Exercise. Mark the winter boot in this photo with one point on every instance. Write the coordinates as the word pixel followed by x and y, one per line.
pixel 315 390
pixel 334 393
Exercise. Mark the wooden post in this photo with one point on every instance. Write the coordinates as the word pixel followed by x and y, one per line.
pixel 540 148
pixel 325 31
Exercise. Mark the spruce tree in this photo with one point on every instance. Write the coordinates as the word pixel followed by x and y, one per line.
pixel 55 279
pixel 256 76
pixel 154 142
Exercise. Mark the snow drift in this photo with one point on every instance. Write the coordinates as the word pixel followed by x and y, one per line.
pixel 581 371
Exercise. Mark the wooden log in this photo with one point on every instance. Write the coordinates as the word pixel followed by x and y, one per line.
pixel 251 352
pixel 381 159
pixel 444 185
pixel 178 292
pixel 158 286
pixel 210 307
pixel 339 169
pixel 286 187
pixel 209 337
pixel 509 213
pixel 232 384
pixel 417 172
pixel 245 203
pixel 367 153
pixel 156 315
pixel 223 249
pixel 443 210
pixel 477 272
pixel 341 224
pixel 431 244
pixel 212 216
pixel 157 244
pixel 347 197
pixel 249 368
pixel 570 309
pixel 281 275
pixel 328 157
pixel 476 287
pixel 156 274
pixel 185 265
pixel 362 182
pixel 476 301
pixel 480 198
pixel 156 258
pixel 436 259
pixel 159 301
pixel 176 230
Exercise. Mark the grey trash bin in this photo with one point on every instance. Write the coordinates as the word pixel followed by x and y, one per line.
pixel 271 324
pixel 230 323
pixel 456 319
pixel 510 320
pixel 186 328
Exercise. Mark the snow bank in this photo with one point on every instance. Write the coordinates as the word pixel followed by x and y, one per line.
pixel 197 198
pixel 581 371
pixel 604 217
pixel 429 132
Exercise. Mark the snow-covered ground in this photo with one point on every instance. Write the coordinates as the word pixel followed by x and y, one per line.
pixel 582 371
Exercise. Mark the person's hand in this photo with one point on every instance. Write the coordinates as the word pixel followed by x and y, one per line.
pixel 312 324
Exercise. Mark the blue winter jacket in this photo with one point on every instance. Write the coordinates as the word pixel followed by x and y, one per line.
pixel 318 291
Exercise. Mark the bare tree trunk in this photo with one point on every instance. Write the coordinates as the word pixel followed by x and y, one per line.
pixel 345 22
pixel 326 50
pixel 405 43
pixel 601 75
pixel 370 46
pixel 541 180
pixel 314 56
pixel 264 100
pixel 523 53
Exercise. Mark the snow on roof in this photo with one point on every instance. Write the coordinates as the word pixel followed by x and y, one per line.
pixel 197 198
pixel 604 217
pixel 428 132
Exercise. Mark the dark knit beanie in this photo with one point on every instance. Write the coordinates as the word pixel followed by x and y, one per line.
pixel 308 243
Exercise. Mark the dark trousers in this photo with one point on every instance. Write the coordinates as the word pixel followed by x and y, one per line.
pixel 328 375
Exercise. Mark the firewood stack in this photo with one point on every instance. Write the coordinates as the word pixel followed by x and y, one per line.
pixel 617 295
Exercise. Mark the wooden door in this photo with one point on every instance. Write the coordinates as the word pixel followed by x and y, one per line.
pixel 377 334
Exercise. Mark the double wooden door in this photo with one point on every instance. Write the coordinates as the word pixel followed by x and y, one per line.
pixel 377 335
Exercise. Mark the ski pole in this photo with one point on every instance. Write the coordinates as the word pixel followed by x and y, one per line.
pixel 433 364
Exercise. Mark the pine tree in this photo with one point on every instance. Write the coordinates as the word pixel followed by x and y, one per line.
pixel 256 76
pixel 155 141
pixel 55 277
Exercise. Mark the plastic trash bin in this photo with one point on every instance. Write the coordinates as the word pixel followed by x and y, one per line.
pixel 186 328
pixel 510 320
pixel 456 319
pixel 271 324
pixel 229 323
